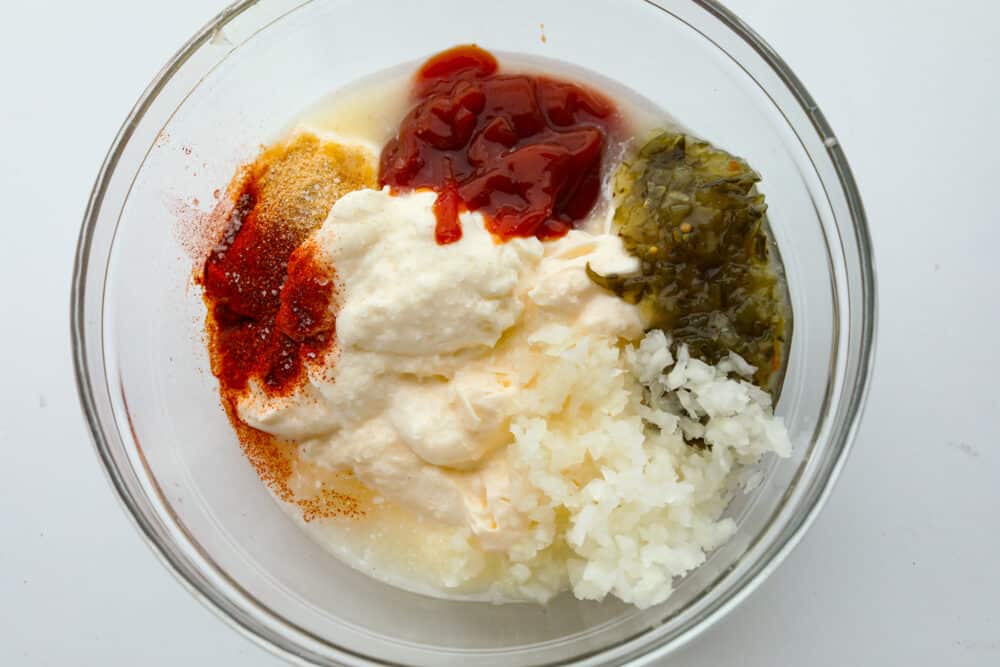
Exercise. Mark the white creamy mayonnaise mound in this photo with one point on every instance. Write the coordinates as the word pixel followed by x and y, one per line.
pixel 431 353
pixel 494 389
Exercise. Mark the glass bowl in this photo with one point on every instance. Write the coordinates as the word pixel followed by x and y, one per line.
pixel 152 403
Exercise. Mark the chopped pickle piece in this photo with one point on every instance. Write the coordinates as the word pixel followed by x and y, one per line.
pixel 691 214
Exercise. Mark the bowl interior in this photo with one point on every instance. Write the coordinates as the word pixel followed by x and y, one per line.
pixel 240 87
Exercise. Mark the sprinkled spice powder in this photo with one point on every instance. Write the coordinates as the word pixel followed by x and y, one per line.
pixel 268 299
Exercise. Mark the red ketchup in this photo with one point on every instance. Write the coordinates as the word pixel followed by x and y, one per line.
pixel 524 150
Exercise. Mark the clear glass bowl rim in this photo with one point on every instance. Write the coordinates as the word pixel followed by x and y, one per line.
pixel 273 633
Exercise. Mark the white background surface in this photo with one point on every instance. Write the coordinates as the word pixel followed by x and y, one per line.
pixel 900 569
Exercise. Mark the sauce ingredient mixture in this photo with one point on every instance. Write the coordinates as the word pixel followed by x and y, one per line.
pixel 472 381
pixel 524 150
pixel 691 214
